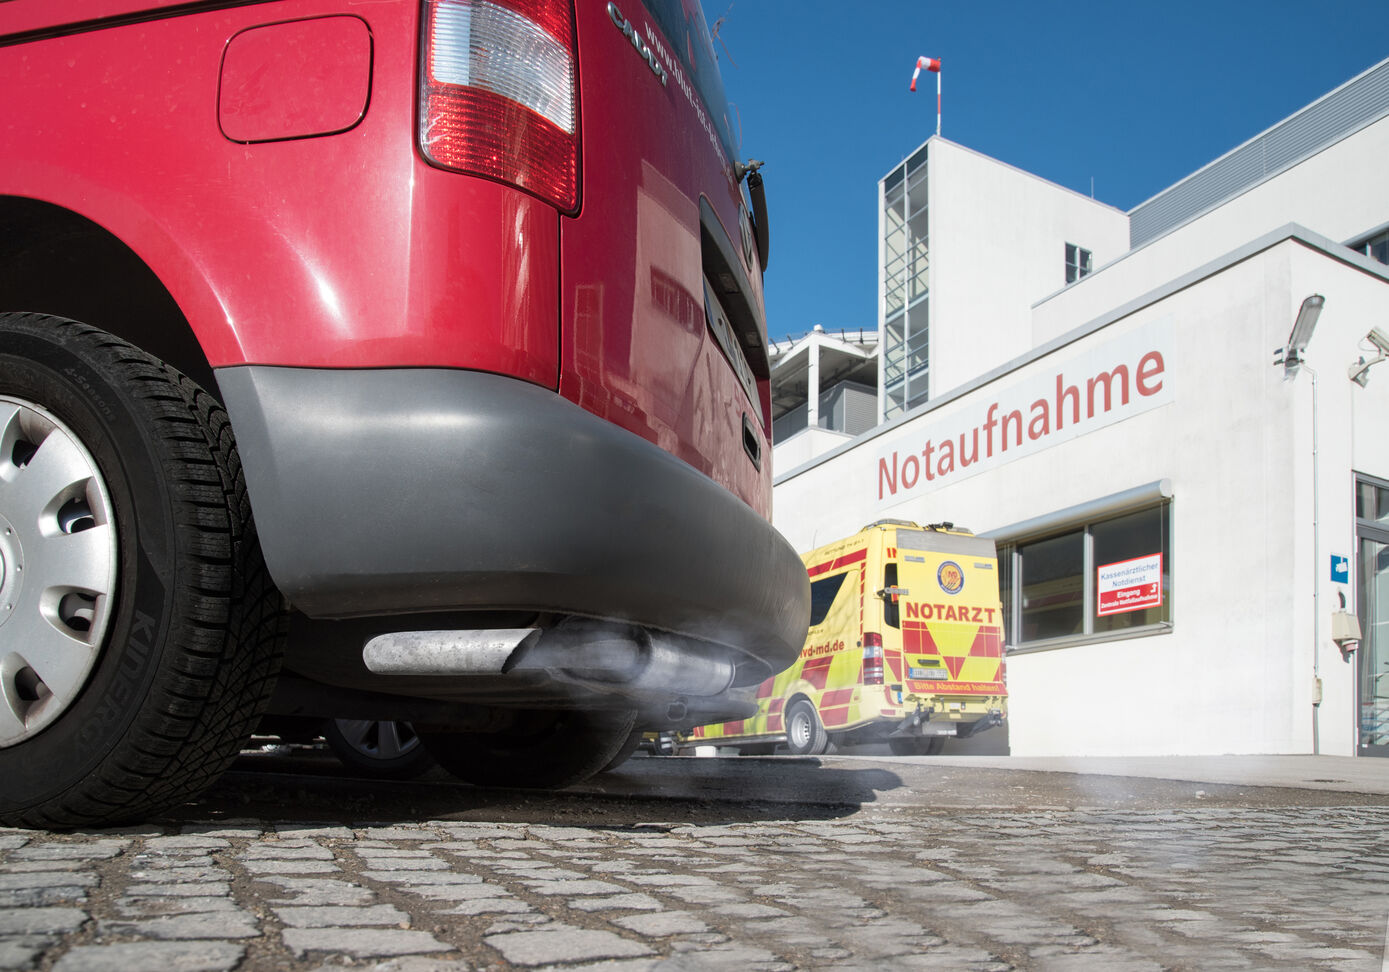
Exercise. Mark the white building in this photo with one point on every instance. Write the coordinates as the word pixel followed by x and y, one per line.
pixel 1180 518
pixel 824 392
pixel 966 244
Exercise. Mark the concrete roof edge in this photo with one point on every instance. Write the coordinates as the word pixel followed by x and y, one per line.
pixel 1269 130
pixel 826 342
pixel 1006 165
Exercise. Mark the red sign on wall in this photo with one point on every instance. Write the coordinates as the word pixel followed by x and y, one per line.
pixel 1128 585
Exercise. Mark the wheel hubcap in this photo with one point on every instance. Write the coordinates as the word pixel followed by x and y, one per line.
pixel 58 559
pixel 800 731
pixel 379 740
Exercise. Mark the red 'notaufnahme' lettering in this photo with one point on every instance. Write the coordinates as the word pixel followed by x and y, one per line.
pixel 1072 405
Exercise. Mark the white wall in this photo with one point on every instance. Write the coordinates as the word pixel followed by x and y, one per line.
pixel 1235 675
pixel 997 245
pixel 1313 193
pixel 803 446
pixel 1351 437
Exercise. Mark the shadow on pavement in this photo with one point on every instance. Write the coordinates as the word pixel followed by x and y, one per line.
pixel 301 788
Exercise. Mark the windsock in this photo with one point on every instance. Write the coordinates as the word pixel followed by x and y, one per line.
pixel 929 63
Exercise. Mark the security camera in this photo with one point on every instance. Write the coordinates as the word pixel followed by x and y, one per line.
pixel 1359 371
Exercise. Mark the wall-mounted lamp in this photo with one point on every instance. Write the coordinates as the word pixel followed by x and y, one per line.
pixel 1359 371
pixel 1290 355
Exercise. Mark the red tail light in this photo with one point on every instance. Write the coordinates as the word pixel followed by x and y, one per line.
pixel 499 94
pixel 872 658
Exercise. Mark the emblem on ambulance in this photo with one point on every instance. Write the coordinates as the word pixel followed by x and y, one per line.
pixel 951 577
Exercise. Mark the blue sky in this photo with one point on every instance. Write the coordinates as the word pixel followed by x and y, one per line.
pixel 1135 95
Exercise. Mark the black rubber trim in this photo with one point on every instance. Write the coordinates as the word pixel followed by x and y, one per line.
pixel 762 229
pixel 123 20
pixel 406 490
pixel 748 318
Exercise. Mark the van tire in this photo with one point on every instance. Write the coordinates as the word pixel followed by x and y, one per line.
pixel 382 749
pixel 805 733
pixel 542 750
pixel 169 597
pixel 625 753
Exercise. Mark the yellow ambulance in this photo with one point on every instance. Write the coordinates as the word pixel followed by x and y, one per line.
pixel 905 645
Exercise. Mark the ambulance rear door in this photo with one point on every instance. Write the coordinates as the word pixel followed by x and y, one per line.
pixel 950 615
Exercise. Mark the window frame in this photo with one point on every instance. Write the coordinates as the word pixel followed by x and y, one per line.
pixel 1081 266
pixel 1366 244
pixel 1011 577
pixel 1369 526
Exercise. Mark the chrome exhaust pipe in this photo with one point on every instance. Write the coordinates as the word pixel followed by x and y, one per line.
pixel 444 652
pixel 622 659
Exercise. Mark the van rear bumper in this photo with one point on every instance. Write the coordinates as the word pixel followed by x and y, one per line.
pixel 407 490
pixel 920 723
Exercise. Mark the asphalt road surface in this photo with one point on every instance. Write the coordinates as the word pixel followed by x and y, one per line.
pixel 751 863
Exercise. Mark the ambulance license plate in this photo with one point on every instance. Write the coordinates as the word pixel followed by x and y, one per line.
pixel 926 673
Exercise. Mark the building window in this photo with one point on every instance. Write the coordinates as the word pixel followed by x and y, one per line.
pixel 1078 262
pixel 1052 575
pixel 1375 246
pixel 1088 581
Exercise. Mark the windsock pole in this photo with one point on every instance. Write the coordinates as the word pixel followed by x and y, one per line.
pixel 931 64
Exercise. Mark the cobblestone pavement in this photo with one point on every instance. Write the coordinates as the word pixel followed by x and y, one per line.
pixel 1191 888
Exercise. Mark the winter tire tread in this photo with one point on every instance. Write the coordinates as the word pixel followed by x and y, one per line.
pixel 226 621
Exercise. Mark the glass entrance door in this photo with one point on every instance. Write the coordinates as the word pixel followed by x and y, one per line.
pixel 1372 528
pixel 1374 649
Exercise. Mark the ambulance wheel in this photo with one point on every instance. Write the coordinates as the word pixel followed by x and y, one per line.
pixel 805 733
pixel 140 634
pixel 540 750
pixel 916 745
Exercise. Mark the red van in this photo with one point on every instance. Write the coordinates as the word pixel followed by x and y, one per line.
pixel 402 360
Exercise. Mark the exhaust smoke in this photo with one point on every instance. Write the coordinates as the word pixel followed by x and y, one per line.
pixel 628 660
